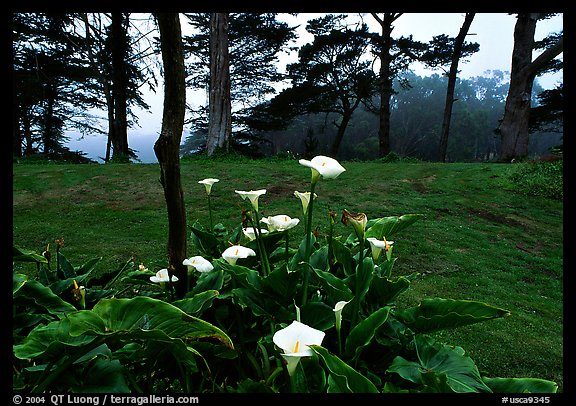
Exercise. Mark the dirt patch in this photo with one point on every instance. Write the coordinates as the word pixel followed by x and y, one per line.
pixel 421 185
pixel 495 218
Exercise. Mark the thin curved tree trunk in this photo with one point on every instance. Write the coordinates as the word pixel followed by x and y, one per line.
pixel 167 147
pixel 452 75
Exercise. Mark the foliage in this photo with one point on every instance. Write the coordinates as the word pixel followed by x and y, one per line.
pixel 543 179
pixel 220 337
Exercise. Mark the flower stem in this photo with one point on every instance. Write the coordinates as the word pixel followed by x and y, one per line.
pixel 308 248
pixel 210 213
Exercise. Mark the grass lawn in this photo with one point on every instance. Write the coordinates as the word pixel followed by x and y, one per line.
pixel 479 238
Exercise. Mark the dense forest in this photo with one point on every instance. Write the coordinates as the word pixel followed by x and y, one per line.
pixel 351 94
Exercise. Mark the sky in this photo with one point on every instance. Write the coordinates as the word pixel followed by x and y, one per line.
pixel 493 31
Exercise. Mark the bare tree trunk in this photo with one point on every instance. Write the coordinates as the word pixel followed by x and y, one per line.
pixel 456 53
pixel 120 86
pixel 167 147
pixel 220 110
pixel 514 126
pixel 385 78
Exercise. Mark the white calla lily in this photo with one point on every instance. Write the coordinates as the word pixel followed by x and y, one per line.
pixel 199 263
pixel 233 253
pixel 338 313
pixel 208 182
pixel 280 222
pixel 295 340
pixel 250 233
pixel 378 245
pixel 323 166
pixel 252 195
pixel 162 276
pixel 305 199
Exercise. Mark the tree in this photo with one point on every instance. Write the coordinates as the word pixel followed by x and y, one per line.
pixel 331 76
pixel 220 108
pixel 51 84
pixel 514 128
pixel 446 50
pixel 167 147
pixel 254 42
pixel 395 56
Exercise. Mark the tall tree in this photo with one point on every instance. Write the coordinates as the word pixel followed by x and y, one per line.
pixel 395 56
pixel 332 76
pixel 443 51
pixel 514 128
pixel 255 41
pixel 220 107
pixel 167 147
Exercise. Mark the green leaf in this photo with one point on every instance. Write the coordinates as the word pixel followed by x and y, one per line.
pixel 213 280
pixel 344 256
pixel 387 226
pixel 65 267
pixel 206 242
pixel 35 293
pixel 22 255
pixel 437 314
pixel 363 278
pixel 383 291
pixel 520 385
pixel 436 360
pixel 317 315
pixel 196 304
pixel 103 376
pixel 362 334
pixel 335 288
pixel 342 377
pixel 282 283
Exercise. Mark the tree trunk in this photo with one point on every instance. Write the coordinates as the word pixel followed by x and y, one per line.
pixel 515 123
pixel 385 83
pixel 167 147
pixel 220 110
pixel 456 53
pixel 340 133
pixel 120 85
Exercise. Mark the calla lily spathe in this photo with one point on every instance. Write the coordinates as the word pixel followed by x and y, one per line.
pixel 199 263
pixel 323 166
pixel 294 341
pixel 378 245
pixel 305 199
pixel 280 222
pixel 250 233
pixel 252 195
pixel 162 276
pixel 208 182
pixel 233 253
pixel 338 313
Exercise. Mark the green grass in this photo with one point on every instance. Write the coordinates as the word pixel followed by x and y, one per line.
pixel 480 238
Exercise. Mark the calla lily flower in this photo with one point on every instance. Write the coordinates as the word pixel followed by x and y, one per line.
pixel 162 276
pixel 208 182
pixel 358 221
pixel 231 254
pixel 338 313
pixel 280 222
pixel 305 199
pixel 294 341
pixel 378 245
pixel 199 263
pixel 250 233
pixel 324 166
pixel 252 195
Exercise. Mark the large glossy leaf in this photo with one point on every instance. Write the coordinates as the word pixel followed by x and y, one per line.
pixel 383 291
pixel 520 385
pixel 336 288
pixel 33 292
pixel 343 255
pixel 437 314
pixel 281 283
pixel 441 365
pixel 145 313
pixel 103 375
pixel 362 334
pixel 342 377
pixel 22 255
pixel 387 226
pixel 196 304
